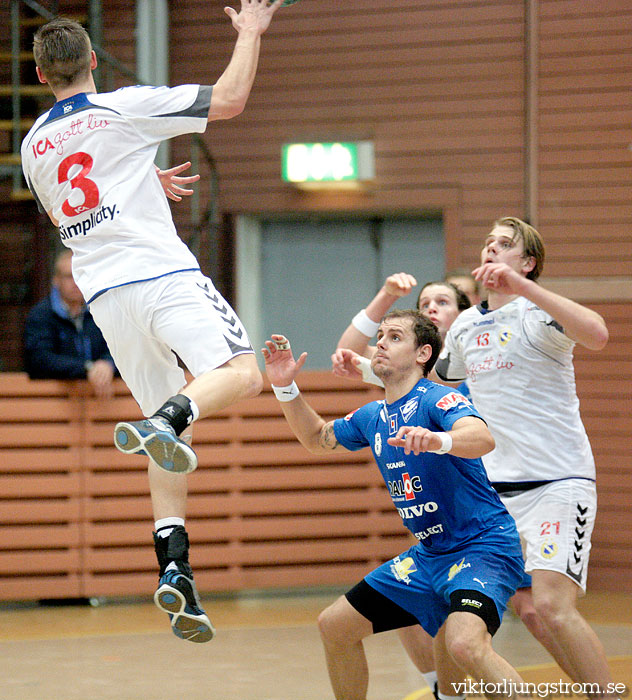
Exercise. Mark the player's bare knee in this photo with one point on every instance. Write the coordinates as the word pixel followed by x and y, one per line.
pixel 525 609
pixel 529 616
pixel 335 627
pixel 247 376
pixel 329 628
pixel 552 610
pixel 467 650
pixel 255 383
pixel 250 383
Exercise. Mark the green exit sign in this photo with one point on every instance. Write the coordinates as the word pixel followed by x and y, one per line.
pixel 328 163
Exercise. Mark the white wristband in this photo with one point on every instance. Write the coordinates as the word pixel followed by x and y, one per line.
pixel 363 323
pixel 368 375
pixel 446 443
pixel 286 393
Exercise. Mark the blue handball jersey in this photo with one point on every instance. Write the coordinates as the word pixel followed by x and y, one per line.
pixel 445 501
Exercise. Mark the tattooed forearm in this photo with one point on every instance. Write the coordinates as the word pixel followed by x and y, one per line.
pixel 328 438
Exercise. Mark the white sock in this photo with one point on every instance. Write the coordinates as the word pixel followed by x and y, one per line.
pixel 450 697
pixel 194 408
pixel 164 526
pixel 431 678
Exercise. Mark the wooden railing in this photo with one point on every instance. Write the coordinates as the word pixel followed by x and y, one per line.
pixel 75 514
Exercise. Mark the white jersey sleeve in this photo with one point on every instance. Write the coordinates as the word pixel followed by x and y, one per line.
pixel 161 113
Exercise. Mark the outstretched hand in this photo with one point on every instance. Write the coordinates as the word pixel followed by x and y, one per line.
pixel 344 363
pixel 171 183
pixel 254 14
pixel 501 278
pixel 281 367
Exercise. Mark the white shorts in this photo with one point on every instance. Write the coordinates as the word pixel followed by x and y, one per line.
pixel 555 522
pixel 146 324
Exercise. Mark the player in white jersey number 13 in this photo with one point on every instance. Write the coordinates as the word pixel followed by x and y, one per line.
pixel 89 162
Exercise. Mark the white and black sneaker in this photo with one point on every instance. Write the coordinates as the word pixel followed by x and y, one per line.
pixel 176 595
pixel 155 438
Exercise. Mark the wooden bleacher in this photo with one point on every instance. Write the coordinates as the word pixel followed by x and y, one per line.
pixel 75 514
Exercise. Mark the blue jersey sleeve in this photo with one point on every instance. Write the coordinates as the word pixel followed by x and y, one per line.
pixel 448 406
pixel 351 431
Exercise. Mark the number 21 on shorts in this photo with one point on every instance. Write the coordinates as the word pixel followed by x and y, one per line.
pixel 548 528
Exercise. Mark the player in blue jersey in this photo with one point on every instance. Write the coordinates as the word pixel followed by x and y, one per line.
pixel 442 303
pixel 427 441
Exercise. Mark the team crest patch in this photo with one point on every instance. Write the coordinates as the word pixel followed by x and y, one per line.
pixel 402 568
pixel 409 408
pixel 392 423
pixel 504 336
pixel 548 550
pixel 457 568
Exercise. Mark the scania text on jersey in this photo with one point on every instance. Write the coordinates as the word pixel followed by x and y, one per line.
pixel 417 510
pixel 82 227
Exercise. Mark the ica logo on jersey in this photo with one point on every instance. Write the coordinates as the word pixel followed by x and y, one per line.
pixel 77 128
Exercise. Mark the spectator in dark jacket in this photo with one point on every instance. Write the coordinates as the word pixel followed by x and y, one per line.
pixel 61 339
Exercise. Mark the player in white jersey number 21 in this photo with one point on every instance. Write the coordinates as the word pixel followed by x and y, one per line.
pixel 515 350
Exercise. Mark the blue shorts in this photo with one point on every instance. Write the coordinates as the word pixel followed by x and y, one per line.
pixel 421 583
pixel 526 581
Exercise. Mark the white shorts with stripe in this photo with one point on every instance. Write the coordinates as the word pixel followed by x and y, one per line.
pixel 555 522
pixel 146 324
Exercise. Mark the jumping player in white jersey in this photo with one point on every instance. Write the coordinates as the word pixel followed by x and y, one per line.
pixel 427 441
pixel 89 163
pixel 515 350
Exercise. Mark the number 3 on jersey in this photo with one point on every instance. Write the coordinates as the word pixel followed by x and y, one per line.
pixel 80 182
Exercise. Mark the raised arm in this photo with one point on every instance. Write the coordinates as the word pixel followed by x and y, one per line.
pixel 356 337
pixel 231 91
pixel 313 432
pixel 581 324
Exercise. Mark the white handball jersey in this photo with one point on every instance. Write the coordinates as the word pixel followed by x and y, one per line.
pixel 89 161
pixel 519 367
